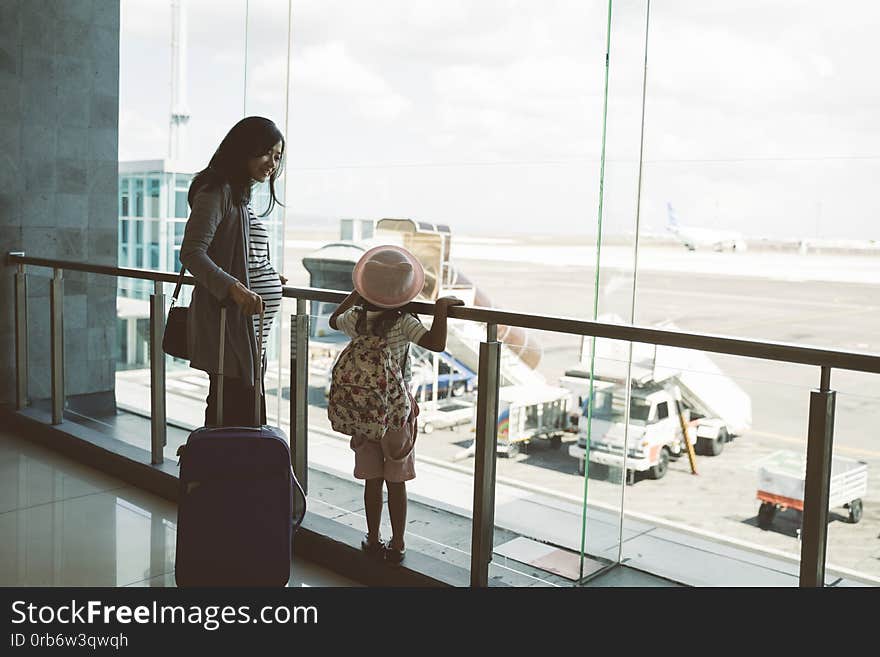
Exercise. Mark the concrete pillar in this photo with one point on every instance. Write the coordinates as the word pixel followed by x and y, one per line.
pixel 59 133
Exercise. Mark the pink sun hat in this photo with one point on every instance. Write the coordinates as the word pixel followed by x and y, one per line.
pixel 388 276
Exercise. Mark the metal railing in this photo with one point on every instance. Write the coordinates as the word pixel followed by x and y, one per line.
pixel 821 413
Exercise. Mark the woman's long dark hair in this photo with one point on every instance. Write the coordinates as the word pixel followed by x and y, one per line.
pixel 251 137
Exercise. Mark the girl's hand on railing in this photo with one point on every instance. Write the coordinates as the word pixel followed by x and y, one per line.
pixel 442 304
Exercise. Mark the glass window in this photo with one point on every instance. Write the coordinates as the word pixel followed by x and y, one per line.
pixel 139 256
pixel 181 208
pixel 662 410
pixel 139 232
pixel 531 413
pixel 123 197
pixel 123 230
pixel 639 411
pixel 181 181
pixel 138 198
pixel 179 230
pixel 609 405
pixel 154 255
pixel 602 405
pixel 154 198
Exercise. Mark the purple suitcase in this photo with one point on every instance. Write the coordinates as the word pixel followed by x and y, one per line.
pixel 235 508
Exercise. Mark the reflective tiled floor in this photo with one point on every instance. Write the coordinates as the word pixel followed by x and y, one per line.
pixel 64 524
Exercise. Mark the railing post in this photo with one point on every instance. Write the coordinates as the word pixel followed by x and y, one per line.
pixel 21 341
pixel 299 394
pixel 820 438
pixel 157 375
pixel 56 309
pixel 485 455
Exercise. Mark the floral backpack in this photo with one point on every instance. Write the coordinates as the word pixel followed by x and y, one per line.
pixel 368 394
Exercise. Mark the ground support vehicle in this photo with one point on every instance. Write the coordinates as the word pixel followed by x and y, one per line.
pixel 530 412
pixel 445 413
pixel 654 434
pixel 781 478
pixel 674 395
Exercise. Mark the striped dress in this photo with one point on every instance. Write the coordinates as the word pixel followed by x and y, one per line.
pixel 263 277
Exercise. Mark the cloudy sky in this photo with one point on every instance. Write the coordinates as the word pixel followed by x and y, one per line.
pixel 761 115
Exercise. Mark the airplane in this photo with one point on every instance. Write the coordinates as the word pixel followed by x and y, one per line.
pixel 693 237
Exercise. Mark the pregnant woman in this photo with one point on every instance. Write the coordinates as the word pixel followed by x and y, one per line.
pixel 226 248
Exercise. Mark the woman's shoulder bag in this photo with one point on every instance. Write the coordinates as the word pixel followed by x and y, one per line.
pixel 174 339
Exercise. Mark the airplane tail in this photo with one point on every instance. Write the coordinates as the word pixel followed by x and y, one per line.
pixel 671 219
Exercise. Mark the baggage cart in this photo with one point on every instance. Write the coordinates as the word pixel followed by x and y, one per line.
pixel 781 478
pixel 528 412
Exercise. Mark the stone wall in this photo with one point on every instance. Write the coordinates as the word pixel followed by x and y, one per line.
pixel 59 131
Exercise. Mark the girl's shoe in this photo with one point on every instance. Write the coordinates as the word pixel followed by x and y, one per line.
pixel 376 549
pixel 393 555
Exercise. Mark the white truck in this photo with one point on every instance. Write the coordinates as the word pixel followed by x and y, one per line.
pixel 665 381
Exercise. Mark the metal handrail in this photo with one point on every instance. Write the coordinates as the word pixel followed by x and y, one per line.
pixel 74 265
pixel 820 433
pixel 766 350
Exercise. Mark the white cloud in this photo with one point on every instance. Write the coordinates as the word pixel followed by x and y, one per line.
pixel 330 69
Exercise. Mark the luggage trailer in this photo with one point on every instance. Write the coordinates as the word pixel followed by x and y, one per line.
pixel 781 479
pixel 528 412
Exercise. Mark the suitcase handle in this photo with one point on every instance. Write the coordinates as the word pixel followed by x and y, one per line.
pixel 219 399
pixel 258 367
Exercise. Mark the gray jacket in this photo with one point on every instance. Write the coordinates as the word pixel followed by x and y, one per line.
pixel 214 250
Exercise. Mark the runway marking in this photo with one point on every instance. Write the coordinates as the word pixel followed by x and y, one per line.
pixel 855 451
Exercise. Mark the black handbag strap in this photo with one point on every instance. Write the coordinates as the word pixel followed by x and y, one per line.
pixel 179 285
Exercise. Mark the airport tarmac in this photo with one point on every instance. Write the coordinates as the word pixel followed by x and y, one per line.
pixel 763 296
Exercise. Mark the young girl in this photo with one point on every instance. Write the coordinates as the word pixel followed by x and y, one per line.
pixel 386 278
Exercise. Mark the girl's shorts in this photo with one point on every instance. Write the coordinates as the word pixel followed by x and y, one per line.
pixel 393 458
